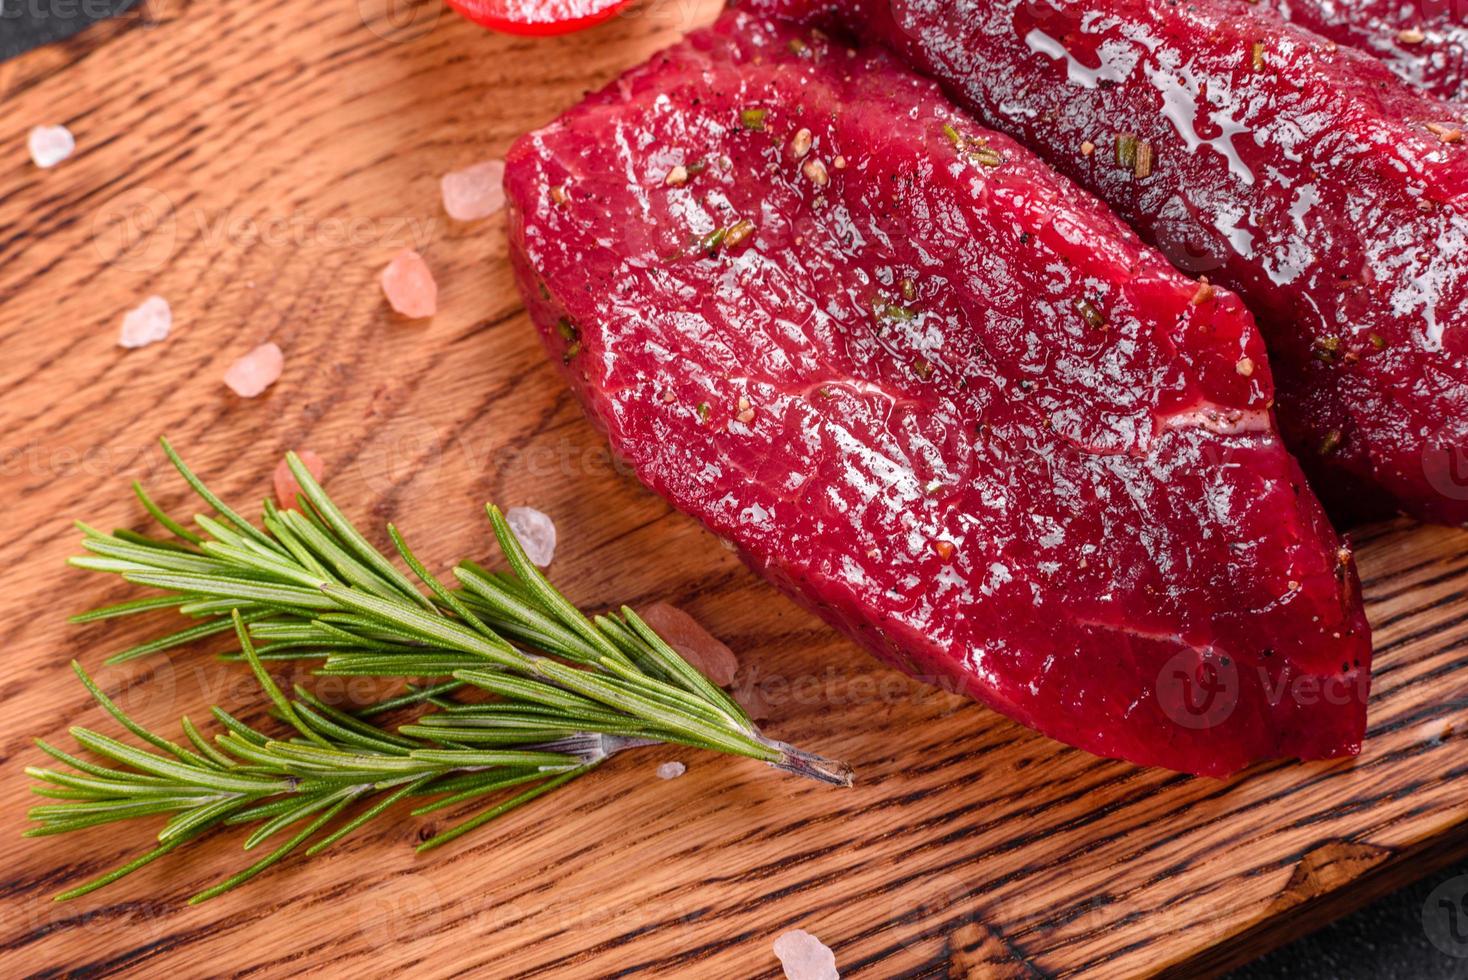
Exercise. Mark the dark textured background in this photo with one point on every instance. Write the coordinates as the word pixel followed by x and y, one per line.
pixel 1385 941
pixel 27 23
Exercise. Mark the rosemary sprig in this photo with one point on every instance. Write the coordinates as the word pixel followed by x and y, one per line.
pixel 565 691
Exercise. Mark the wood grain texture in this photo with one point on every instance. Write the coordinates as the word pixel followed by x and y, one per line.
pixel 257 164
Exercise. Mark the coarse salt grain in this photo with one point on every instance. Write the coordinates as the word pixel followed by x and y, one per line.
pixel 671 770
pixel 801 143
pixel 146 324
pixel 49 145
pixel 287 487
pixel 475 192
pixel 536 533
pixel 408 285
pixel 256 371
pixel 804 957
pixel 710 657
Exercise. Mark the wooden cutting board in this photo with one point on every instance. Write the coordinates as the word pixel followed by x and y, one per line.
pixel 257 164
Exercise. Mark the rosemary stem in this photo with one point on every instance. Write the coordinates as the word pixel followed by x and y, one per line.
pixel 513 688
pixel 807 764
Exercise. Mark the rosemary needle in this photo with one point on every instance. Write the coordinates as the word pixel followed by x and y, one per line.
pixel 557 692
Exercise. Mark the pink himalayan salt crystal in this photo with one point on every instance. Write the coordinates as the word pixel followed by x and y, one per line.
pixel 805 957
pixel 475 192
pixel 49 145
pixel 286 486
pixel 256 371
pixel 671 770
pixel 536 533
pixel 694 644
pixel 408 285
pixel 147 324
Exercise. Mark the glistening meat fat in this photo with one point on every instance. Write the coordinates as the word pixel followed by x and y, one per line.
pixel 1298 172
pixel 943 397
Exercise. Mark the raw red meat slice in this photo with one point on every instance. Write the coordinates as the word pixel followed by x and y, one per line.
pixel 1425 42
pixel 1300 173
pixel 943 397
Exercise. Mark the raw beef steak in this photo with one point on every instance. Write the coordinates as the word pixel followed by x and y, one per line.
pixel 1424 42
pixel 943 397
pixel 1298 172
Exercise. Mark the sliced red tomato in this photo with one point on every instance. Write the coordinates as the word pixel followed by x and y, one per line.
pixel 537 17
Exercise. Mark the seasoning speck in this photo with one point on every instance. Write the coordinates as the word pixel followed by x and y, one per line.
pixel 677 177
pixel 1411 35
pixel 1142 168
pixel 1448 134
pixel 1245 366
pixel 1126 150
pixel 800 143
pixel 1090 314
pixel 815 171
pixel 988 157
pixel 671 770
pixel 1204 293
pixel 753 119
pixel 738 232
pixel 1087 148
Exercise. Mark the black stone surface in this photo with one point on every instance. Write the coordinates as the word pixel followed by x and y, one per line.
pixel 26 23
pixel 1410 935
pixel 1385 941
